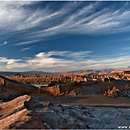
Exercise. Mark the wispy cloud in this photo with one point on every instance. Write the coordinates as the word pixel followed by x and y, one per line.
pixel 7 62
pixel 73 19
pixel 49 60
pixel 4 43
pixel 25 49
pixel 88 21
pixel 27 42
pixel 126 48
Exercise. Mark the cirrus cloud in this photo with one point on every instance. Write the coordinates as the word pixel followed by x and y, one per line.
pixel 73 18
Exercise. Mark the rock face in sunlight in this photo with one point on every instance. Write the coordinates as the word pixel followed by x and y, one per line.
pixel 114 92
pixel 19 114
pixel 117 92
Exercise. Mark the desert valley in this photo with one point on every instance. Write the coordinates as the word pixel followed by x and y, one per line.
pixel 65 101
pixel 64 64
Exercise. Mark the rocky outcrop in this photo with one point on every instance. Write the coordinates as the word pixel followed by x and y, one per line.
pixel 126 91
pixel 114 92
pixel 108 79
pixel 19 114
pixel 35 79
pixel 58 116
pixel 15 85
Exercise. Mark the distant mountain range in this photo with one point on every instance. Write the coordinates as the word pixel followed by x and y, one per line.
pixel 24 73
pixel 99 71
pixel 78 72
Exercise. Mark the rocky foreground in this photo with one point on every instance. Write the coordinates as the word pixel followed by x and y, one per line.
pixel 82 117
pixel 25 113
pixel 19 114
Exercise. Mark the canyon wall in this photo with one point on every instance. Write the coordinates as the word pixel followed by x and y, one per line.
pixel 6 83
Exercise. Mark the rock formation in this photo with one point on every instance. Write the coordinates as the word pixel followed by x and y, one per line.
pixel 114 92
pixel 19 114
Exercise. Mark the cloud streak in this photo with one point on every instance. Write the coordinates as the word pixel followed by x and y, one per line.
pixel 25 49
pixel 73 19
pixel 49 60
pixel 4 43
pixel 27 42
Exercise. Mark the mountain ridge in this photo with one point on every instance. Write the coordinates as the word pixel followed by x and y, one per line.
pixel 77 72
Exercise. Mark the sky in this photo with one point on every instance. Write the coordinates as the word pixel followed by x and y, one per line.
pixel 63 36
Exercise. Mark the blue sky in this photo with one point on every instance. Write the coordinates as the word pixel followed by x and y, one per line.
pixel 64 36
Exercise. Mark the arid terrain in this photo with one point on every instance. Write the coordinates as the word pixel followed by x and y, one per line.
pixel 64 64
pixel 73 101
